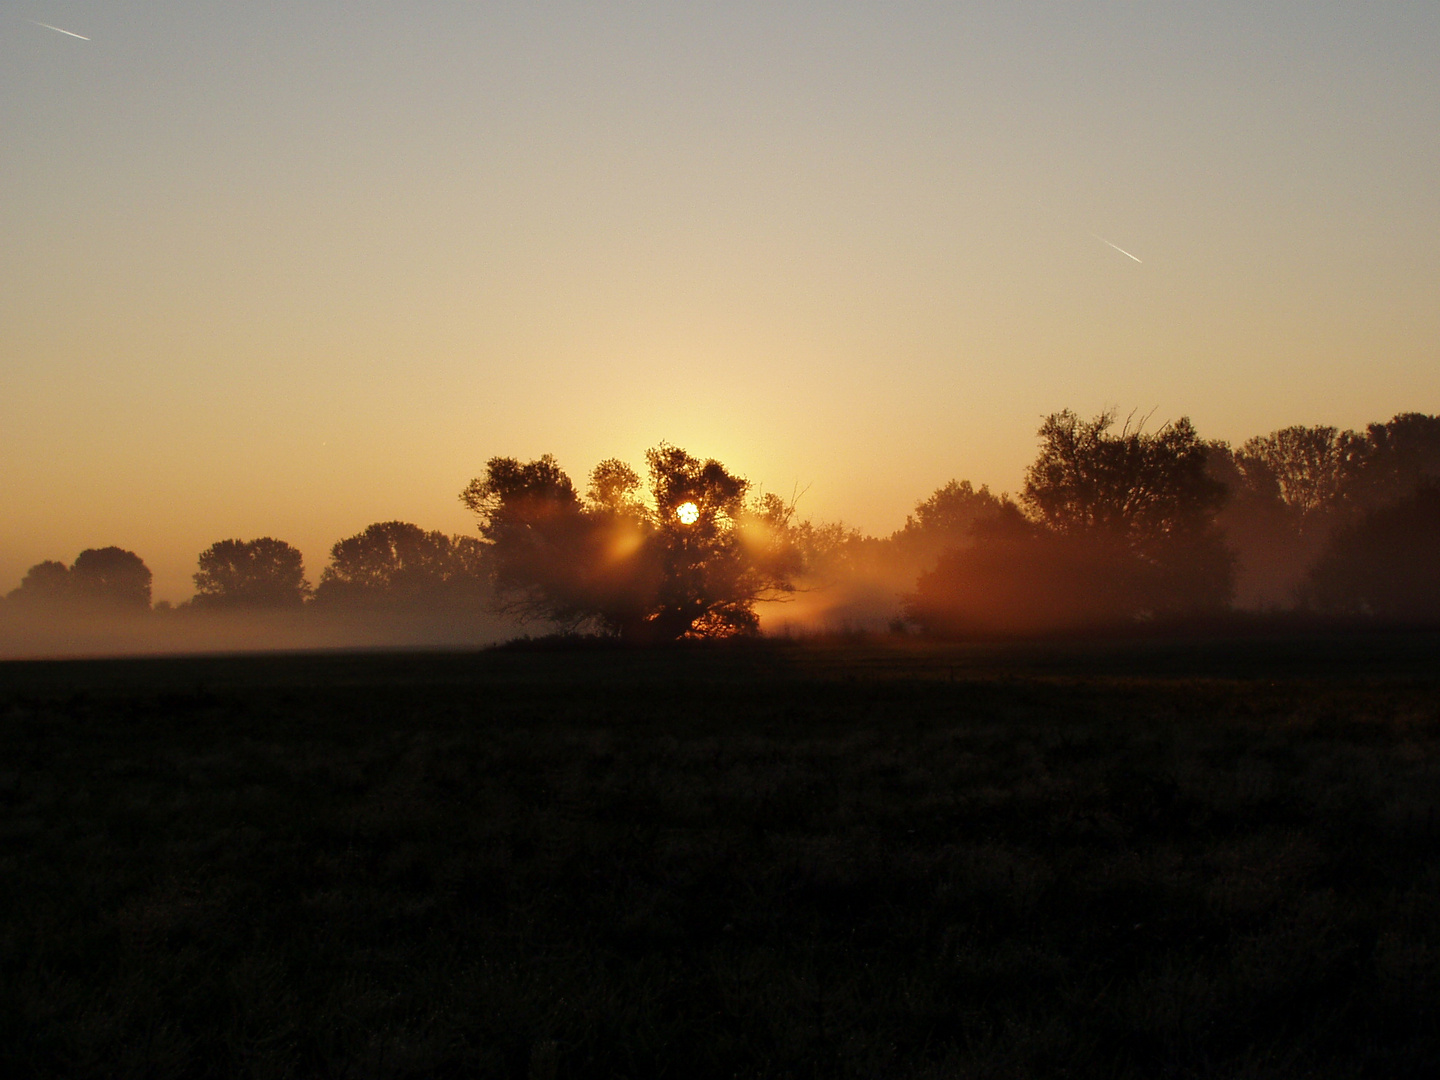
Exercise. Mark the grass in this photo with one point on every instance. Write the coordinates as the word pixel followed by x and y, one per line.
pixel 1193 859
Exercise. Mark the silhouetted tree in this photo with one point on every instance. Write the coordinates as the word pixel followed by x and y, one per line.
pixel 693 559
pixel 1386 563
pixel 1147 494
pixel 946 519
pixel 45 584
pixel 537 536
pixel 111 577
pixel 1283 498
pixel 261 573
pixel 832 550
pixel 1394 460
pixel 721 558
pixel 396 562
pixel 1305 469
pixel 1291 490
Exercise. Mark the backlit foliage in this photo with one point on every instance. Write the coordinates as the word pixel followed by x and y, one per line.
pixel 629 564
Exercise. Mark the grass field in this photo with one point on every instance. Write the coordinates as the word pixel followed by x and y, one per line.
pixel 1191 859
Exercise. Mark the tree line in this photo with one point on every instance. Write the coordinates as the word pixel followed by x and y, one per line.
pixel 389 564
pixel 1114 524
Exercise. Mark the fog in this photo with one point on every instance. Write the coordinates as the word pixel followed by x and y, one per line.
pixel 1115 526
pixel 47 635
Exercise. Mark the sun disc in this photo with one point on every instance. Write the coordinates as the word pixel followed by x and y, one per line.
pixel 688 513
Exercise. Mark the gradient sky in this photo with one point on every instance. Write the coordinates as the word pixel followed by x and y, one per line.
pixel 289 269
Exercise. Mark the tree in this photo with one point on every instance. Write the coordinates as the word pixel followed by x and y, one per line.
pixel 108 577
pixel 1394 460
pixel 397 562
pixel 44 585
pixel 111 577
pixel 261 573
pixel 692 559
pixel 945 520
pixel 1293 490
pixel 538 539
pixel 1147 494
pixel 1306 469
pixel 1386 563
pixel 1286 491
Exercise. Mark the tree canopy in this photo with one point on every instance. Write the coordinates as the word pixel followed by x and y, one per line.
pixel 1394 460
pixel 397 562
pixel 1111 527
pixel 44 584
pixel 108 577
pixel 260 573
pixel 1140 486
pixel 1307 469
pixel 945 520
pixel 1385 562
pixel 1148 493
pixel 689 557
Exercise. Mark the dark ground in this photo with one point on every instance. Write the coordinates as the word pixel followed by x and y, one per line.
pixel 1195 858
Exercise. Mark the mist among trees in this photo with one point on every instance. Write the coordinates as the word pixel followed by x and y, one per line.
pixel 1115 525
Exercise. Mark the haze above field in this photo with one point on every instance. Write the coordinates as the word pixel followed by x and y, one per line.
pixel 290 271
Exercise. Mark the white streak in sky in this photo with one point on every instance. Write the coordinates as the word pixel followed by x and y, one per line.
pixel 1117 247
pixel 57 29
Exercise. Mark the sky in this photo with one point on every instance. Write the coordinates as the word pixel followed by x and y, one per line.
pixel 289 269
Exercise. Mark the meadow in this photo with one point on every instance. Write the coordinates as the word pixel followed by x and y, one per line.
pixel 1190 858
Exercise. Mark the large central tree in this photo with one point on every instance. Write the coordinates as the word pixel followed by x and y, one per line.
pixel 691 557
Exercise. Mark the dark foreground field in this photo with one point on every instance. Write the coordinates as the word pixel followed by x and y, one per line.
pixel 1186 860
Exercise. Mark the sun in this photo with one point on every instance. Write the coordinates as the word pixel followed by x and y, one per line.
pixel 688 513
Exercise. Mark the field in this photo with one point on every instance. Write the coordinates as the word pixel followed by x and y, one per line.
pixel 1189 859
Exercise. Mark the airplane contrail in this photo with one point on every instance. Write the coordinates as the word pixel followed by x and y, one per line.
pixel 57 29
pixel 1117 247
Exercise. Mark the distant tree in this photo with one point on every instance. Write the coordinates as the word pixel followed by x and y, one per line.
pixel 44 585
pixel 1305 469
pixel 953 509
pixel 111 577
pixel 1394 460
pixel 1150 495
pixel 615 489
pixel 1274 544
pixel 833 550
pixel 1386 563
pixel 1130 484
pixel 945 520
pixel 397 562
pixel 261 573
pixel 1290 491
pixel 692 559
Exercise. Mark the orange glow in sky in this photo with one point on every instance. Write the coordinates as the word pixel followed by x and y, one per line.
pixel 291 270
